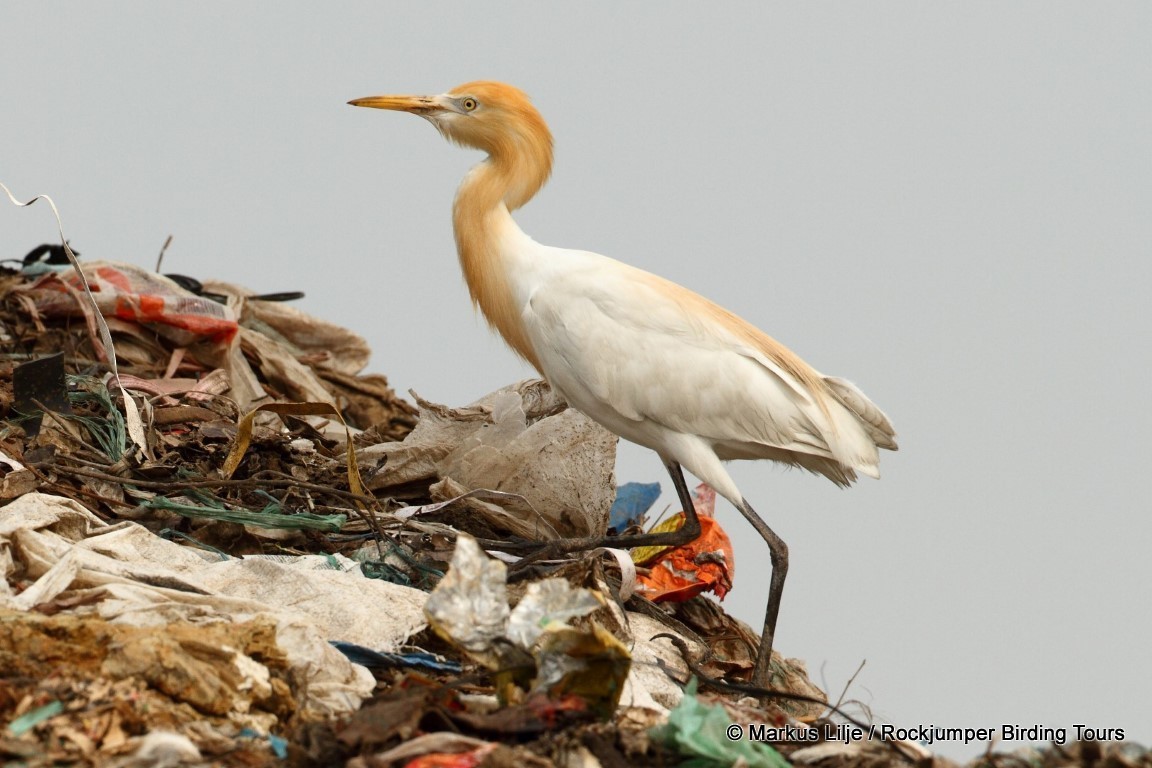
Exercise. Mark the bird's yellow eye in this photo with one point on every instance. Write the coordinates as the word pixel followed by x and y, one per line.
pixel 469 104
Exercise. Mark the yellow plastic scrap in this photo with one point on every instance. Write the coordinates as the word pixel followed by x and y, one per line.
pixel 575 662
pixel 641 555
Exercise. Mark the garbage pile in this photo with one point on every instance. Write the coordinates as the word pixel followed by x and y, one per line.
pixel 224 544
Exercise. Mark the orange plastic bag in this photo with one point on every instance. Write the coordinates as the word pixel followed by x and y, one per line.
pixel 138 295
pixel 704 565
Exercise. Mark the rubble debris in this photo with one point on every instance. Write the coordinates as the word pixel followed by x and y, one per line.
pixel 236 548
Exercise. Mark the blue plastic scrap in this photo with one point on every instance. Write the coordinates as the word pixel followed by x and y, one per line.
pixel 366 657
pixel 633 500
pixel 278 744
pixel 30 720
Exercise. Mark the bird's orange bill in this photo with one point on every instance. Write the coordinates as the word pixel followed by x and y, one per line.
pixel 397 103
pixel 704 565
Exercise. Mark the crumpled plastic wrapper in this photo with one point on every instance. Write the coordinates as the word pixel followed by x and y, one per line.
pixel 132 293
pixel 469 607
pixel 546 602
pixel 522 440
pixel 592 665
pixel 532 646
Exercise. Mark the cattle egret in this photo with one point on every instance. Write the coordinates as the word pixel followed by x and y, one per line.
pixel 650 360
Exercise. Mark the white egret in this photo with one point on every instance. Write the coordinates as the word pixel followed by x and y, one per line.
pixel 650 360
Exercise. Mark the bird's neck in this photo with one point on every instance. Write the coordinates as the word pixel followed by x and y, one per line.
pixel 486 236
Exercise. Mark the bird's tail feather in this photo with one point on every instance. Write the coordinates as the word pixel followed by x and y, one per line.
pixel 875 423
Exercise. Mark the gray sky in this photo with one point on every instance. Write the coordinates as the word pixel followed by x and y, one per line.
pixel 947 203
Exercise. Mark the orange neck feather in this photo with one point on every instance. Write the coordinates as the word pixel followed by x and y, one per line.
pixel 510 176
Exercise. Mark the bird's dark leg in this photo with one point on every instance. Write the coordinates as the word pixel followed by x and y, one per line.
pixel 761 673
pixel 689 531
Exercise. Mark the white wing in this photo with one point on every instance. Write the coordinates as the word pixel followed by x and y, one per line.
pixel 647 358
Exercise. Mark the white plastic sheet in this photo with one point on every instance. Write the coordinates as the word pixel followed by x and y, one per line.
pixel 124 573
